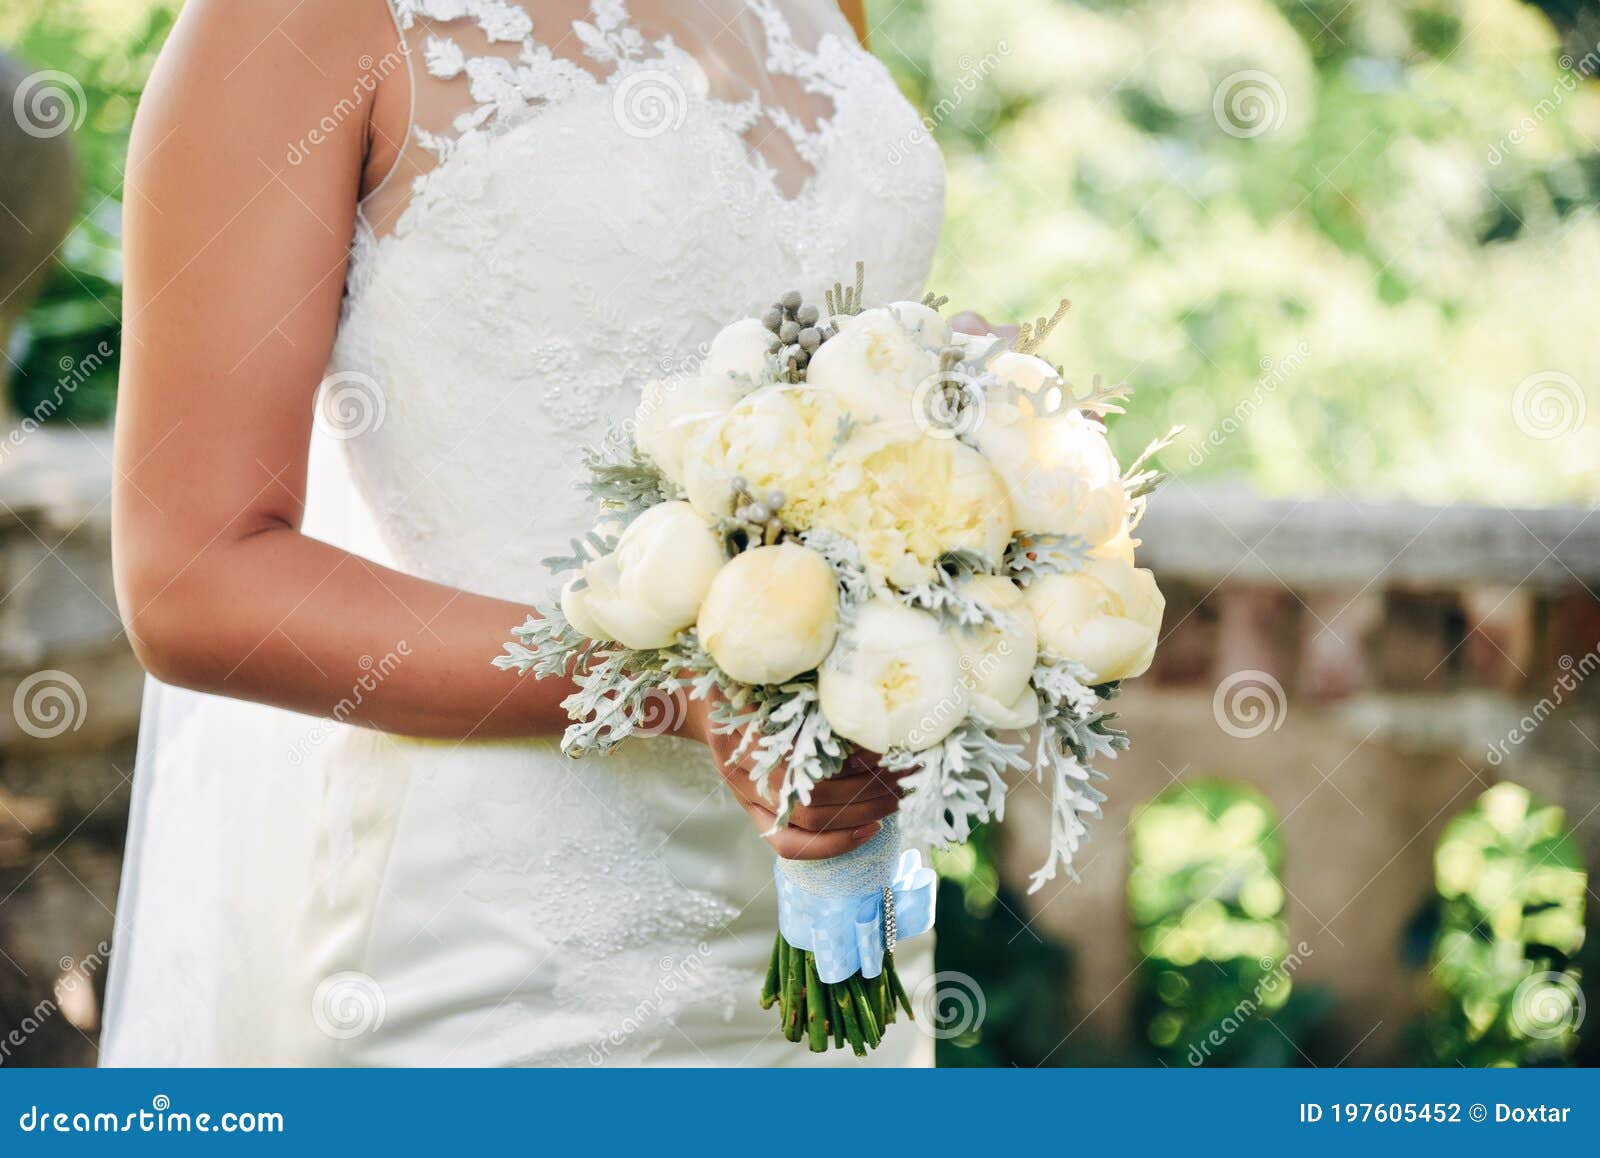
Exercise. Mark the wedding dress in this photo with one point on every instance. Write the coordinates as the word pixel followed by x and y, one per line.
pixel 588 194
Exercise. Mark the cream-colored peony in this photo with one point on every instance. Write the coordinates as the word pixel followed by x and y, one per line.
pixel 893 680
pixel 672 410
pixel 771 614
pixel 780 437
pixel 906 498
pixel 872 367
pixel 741 349
pixel 650 588
pixel 1060 473
pixel 997 659
pixel 923 323
pixel 1106 617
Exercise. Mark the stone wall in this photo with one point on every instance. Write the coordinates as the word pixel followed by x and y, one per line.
pixel 1367 668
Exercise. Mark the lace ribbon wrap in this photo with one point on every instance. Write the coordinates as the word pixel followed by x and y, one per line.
pixel 834 908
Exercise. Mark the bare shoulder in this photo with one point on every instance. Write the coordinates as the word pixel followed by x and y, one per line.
pixel 270 59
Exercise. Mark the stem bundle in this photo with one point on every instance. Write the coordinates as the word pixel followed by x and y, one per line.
pixel 857 1010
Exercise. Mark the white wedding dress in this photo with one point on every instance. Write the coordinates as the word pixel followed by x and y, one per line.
pixel 589 193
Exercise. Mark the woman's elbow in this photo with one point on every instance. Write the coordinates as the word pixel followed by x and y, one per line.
pixel 161 614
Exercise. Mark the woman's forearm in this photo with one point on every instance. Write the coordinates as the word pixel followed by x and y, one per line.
pixel 276 617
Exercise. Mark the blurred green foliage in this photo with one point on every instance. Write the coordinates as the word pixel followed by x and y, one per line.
pixel 987 946
pixel 109 52
pixel 1216 975
pixel 1511 888
pixel 1349 228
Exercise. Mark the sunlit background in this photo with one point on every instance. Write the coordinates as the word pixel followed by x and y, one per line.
pixel 1350 245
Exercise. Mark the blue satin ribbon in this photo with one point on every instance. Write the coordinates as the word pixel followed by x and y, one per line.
pixel 846 933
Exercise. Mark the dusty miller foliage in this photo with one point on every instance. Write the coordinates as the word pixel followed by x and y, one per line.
pixel 626 483
pixel 1033 555
pixel 1073 731
pixel 955 785
pixel 849 571
pixel 943 598
pixel 618 690
pixel 780 727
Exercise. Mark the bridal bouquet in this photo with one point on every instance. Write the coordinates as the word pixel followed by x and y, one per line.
pixel 853 528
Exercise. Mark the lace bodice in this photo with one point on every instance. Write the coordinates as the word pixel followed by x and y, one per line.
pixel 590 193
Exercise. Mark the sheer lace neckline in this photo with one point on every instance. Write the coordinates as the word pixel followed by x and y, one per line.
pixel 482 69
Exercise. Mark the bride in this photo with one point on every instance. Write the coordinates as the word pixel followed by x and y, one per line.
pixel 388 266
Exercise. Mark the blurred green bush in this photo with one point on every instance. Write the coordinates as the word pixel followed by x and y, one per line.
pixel 109 50
pixel 1336 234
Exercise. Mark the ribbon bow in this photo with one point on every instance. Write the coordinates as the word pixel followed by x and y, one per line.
pixel 847 934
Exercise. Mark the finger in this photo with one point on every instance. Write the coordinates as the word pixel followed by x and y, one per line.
pixel 813 819
pixel 849 790
pixel 796 844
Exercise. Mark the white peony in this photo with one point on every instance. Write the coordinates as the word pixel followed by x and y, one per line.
pixel 780 437
pixel 672 410
pixel 893 680
pixel 1106 617
pixel 872 367
pixel 923 323
pixel 650 588
pixel 741 349
pixel 771 614
pixel 905 500
pixel 1060 473
pixel 998 658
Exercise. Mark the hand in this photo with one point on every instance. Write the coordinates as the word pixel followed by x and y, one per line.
pixel 845 811
pixel 972 322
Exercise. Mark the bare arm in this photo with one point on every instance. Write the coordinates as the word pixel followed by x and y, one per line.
pixel 235 265
pixel 855 11
pixel 235 268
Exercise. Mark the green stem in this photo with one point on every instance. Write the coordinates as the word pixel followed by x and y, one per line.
pixel 794 994
pixel 835 1016
pixel 816 1008
pixel 852 1025
pixel 769 987
pixel 869 1025
pixel 895 985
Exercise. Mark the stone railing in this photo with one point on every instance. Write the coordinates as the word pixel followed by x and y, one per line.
pixel 1370 668
pixel 1409 644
